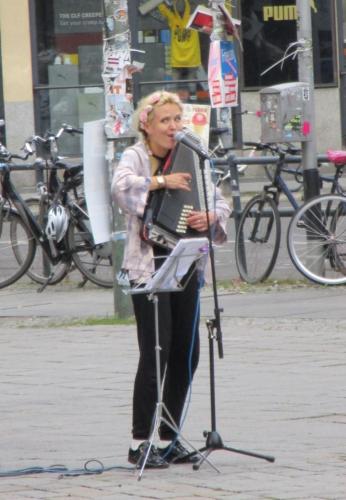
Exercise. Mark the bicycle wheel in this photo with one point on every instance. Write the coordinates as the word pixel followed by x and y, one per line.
pixel 316 239
pixel 258 239
pixel 15 239
pixel 94 261
pixel 41 267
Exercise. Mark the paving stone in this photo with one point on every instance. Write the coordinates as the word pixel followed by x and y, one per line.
pixel 67 389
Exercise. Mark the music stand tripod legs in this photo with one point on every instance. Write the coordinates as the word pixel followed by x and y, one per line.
pixel 160 406
pixel 168 279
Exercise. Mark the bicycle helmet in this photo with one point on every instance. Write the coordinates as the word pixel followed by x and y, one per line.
pixel 57 223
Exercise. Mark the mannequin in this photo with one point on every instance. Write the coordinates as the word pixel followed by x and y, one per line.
pixel 185 46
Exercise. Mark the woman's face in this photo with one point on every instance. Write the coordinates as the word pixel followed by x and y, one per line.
pixel 165 123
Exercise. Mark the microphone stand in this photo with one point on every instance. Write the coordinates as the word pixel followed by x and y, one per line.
pixel 213 439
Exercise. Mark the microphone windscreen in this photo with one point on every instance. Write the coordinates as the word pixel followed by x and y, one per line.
pixel 185 132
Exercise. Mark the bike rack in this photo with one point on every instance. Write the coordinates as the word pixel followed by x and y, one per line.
pixel 230 163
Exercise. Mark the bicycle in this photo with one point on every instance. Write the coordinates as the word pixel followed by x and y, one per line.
pixel 294 178
pixel 93 261
pixel 220 138
pixel 222 145
pixel 15 236
pixel 258 234
pixel 63 236
pixel 47 165
pixel 316 236
pixel 220 148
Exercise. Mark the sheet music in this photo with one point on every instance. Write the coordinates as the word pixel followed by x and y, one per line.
pixel 176 265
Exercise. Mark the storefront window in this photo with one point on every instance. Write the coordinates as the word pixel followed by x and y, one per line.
pixel 174 56
pixel 68 56
pixel 268 29
pixel 68 76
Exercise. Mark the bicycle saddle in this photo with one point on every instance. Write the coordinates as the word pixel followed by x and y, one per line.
pixel 338 157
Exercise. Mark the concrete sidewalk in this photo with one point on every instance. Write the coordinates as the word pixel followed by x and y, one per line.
pixel 66 397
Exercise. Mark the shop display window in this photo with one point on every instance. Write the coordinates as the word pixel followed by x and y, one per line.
pixel 67 39
pixel 268 29
pixel 174 55
pixel 68 68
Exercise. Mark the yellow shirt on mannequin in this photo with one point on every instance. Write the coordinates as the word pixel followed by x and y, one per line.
pixel 185 47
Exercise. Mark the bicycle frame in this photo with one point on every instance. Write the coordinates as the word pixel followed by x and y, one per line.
pixel 281 186
pixel 11 194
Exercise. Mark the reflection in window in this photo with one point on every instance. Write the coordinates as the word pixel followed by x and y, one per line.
pixel 69 61
pixel 173 54
pixel 268 28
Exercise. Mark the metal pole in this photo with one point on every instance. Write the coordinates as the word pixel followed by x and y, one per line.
pixel 309 149
pixel 223 115
pixel 342 67
pixel 117 46
pixel 306 74
pixel 237 122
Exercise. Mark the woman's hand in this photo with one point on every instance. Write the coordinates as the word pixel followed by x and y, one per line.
pixel 178 180
pixel 198 220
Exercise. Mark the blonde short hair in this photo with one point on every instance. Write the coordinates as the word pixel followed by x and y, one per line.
pixel 146 106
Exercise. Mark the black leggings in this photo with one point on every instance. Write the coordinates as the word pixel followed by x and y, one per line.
pixel 178 328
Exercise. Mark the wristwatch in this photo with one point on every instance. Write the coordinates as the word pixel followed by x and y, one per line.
pixel 161 180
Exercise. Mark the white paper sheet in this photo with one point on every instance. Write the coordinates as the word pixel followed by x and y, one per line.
pixel 97 181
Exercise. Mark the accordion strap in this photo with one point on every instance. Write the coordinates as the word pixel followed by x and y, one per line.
pixel 147 217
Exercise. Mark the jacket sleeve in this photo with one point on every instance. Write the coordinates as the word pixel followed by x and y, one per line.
pixel 130 184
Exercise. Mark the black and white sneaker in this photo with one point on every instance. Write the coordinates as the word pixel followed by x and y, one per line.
pixel 154 459
pixel 176 453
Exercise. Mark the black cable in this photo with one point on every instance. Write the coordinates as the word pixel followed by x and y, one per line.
pixel 65 471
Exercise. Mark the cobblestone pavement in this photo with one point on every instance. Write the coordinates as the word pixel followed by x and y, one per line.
pixel 280 390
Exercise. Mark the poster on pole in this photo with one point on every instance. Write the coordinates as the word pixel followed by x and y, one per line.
pixel 96 181
pixel 223 74
pixel 196 117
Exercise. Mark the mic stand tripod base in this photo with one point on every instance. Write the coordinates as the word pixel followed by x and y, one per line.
pixel 214 442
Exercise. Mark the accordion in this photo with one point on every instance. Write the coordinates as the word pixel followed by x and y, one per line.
pixel 165 216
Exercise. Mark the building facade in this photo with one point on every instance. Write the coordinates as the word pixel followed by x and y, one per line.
pixel 52 53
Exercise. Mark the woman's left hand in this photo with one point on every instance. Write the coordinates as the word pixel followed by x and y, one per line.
pixel 198 220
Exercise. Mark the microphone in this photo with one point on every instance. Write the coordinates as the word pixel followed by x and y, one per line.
pixel 193 142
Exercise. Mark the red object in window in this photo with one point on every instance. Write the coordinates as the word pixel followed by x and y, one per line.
pixel 202 21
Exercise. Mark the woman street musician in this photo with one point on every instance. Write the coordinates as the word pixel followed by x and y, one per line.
pixel 158 118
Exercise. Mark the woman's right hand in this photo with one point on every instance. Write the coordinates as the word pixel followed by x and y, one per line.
pixel 178 180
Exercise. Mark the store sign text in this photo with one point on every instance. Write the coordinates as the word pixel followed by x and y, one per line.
pixel 280 13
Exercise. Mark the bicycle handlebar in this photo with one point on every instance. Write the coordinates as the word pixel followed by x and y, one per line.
pixel 71 130
pixel 51 136
pixel 6 156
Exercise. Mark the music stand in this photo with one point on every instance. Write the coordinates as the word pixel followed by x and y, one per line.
pixel 168 279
